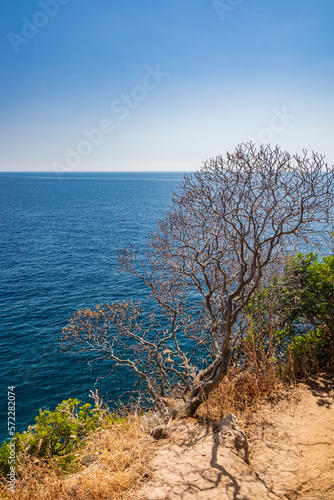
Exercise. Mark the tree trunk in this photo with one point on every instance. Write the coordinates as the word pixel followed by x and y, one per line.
pixel 203 390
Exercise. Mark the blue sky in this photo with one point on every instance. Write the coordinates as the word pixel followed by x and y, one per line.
pixel 143 85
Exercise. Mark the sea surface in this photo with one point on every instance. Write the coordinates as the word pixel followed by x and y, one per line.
pixel 59 238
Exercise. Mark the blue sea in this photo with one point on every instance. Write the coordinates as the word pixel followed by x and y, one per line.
pixel 59 242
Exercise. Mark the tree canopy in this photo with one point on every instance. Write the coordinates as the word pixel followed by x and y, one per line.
pixel 228 226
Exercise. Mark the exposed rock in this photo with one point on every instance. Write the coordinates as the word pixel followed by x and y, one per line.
pixel 229 435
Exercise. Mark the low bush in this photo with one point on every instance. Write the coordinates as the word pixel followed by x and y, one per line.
pixel 307 353
pixel 293 319
pixel 111 463
pixel 59 433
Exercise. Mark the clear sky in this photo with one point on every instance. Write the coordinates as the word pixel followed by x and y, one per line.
pixel 162 85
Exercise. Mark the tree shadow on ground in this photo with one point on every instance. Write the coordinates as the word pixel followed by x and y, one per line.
pixel 322 387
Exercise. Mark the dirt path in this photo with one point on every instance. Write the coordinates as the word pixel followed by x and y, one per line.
pixel 291 455
pixel 292 445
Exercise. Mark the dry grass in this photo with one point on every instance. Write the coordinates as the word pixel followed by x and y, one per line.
pixel 241 393
pixel 110 466
pixel 246 386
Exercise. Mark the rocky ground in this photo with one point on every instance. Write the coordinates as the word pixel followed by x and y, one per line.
pixel 291 453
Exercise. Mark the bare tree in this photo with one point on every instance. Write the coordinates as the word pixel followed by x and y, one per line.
pixel 227 226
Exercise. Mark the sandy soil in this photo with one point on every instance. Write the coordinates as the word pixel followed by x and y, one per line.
pixel 291 454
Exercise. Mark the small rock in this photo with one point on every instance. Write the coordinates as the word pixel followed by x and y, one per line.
pixel 160 432
pixel 89 460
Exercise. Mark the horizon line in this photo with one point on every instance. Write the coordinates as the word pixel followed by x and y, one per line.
pixel 92 171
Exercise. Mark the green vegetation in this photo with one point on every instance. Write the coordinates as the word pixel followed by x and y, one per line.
pixel 292 321
pixel 59 433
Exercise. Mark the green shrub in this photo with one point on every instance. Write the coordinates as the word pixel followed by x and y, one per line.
pixel 294 317
pixel 307 352
pixel 58 433
pixel 4 459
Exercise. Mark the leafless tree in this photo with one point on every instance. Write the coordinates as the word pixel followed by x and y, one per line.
pixel 228 225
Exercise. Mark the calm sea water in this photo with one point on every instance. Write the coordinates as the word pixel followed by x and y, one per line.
pixel 59 242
